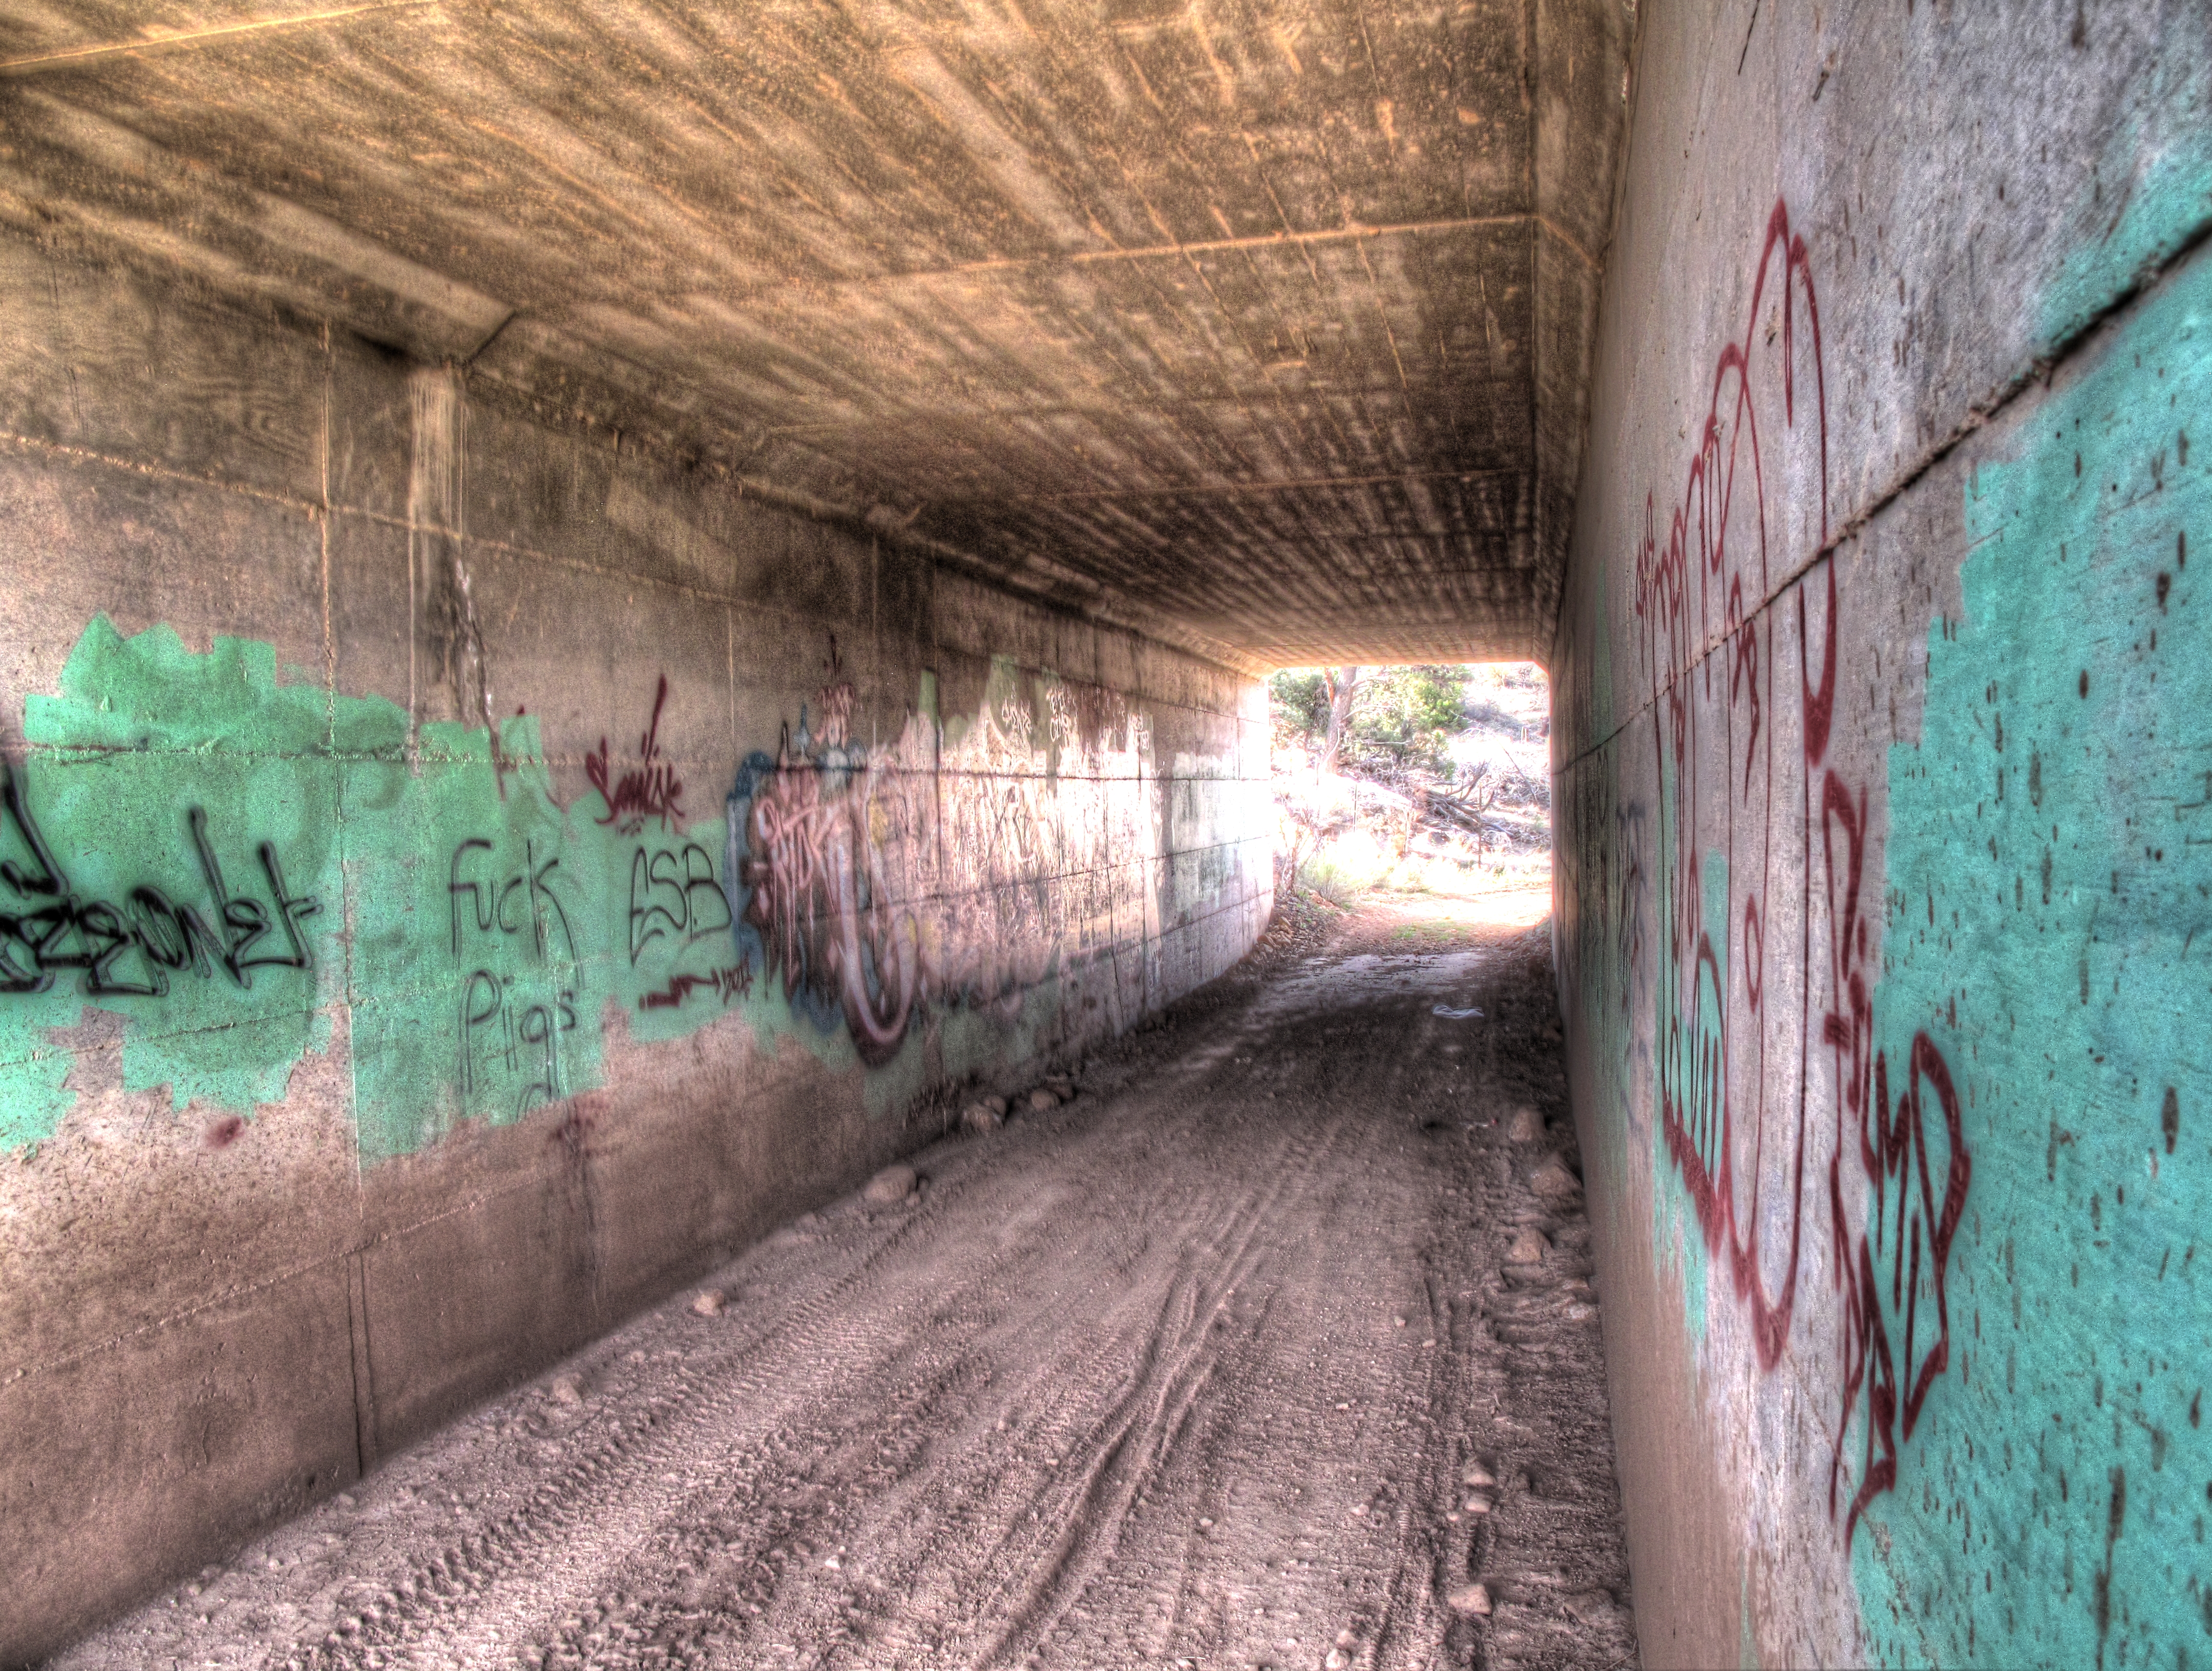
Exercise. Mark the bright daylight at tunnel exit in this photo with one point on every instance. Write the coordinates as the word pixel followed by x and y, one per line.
pixel 1105 835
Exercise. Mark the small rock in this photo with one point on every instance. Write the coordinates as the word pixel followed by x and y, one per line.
pixel 1469 1599
pixel 1525 1125
pixel 566 1390
pixel 1042 1101
pixel 997 1105
pixel 1528 1248
pixel 1554 1179
pixel 981 1118
pixel 1478 1477
pixel 1337 1660
pixel 1593 1606
pixel 1397 1322
pixel 1477 1505
pixel 893 1183
pixel 708 1301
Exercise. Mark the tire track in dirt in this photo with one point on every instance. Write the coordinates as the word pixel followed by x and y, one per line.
pixel 1188 1372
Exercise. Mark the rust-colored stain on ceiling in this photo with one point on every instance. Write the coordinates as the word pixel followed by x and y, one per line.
pixel 1261 325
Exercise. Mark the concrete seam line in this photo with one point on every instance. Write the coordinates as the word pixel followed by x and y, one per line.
pixel 245 1289
pixel 2041 368
pixel 156 472
pixel 1101 604
pixel 71 56
pixel 229 1296
pixel 1595 264
pixel 1294 484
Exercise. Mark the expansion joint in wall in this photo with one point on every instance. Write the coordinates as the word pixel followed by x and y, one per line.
pixel 2038 373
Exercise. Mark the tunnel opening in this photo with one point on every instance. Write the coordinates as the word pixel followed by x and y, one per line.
pixel 1428 781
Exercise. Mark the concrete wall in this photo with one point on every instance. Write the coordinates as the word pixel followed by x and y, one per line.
pixel 1886 897
pixel 462 878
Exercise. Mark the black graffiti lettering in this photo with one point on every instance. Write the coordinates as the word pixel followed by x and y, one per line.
pixel 496 1031
pixel 674 893
pixel 537 1030
pixel 485 983
pixel 511 886
pixel 106 937
pixel 542 899
pixel 455 888
pixel 161 936
pixel 490 902
pixel 202 939
pixel 243 920
pixel 289 910
pixel 94 937
pixel 50 882
pixel 499 1032
pixel 647 919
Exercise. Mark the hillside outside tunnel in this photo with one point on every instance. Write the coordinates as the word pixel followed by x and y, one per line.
pixel 617 613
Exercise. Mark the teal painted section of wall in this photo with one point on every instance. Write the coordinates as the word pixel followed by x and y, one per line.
pixel 2050 924
pixel 473 927
pixel 137 748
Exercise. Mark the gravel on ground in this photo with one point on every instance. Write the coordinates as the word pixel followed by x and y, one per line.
pixel 1261 1350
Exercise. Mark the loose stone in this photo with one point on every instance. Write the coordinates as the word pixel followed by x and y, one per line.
pixel 893 1183
pixel 1473 1598
pixel 1554 1179
pixel 1529 1249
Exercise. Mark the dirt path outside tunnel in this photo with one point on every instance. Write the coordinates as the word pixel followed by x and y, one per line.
pixel 1193 1371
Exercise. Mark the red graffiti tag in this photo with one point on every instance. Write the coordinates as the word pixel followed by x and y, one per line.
pixel 730 983
pixel 1701 597
pixel 650 789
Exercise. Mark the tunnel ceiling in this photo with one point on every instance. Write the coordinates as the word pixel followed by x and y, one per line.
pixel 1262 325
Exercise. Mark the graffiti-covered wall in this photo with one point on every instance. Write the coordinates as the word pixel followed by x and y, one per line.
pixel 459 878
pixel 1885 897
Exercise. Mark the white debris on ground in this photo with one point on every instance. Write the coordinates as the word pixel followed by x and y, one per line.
pixel 1272 1346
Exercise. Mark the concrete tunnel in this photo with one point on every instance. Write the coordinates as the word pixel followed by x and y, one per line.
pixel 611 608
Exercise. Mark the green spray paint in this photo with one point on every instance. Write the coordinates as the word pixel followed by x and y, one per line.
pixel 2050 874
pixel 473 928
pixel 134 786
pixel 1680 1024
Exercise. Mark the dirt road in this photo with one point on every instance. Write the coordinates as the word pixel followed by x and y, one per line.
pixel 1192 1371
